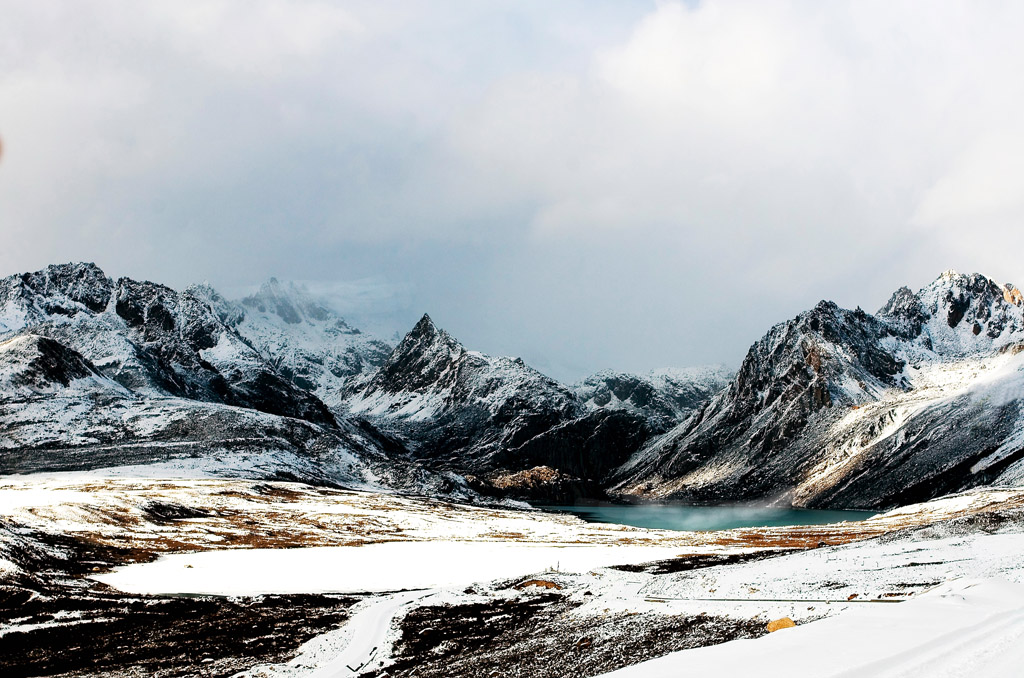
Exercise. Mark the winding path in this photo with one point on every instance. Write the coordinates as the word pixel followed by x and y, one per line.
pixel 369 633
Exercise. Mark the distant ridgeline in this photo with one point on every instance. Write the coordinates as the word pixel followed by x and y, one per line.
pixel 832 409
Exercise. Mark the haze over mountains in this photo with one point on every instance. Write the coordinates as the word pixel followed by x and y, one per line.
pixel 834 408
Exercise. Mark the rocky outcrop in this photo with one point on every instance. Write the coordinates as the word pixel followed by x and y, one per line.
pixel 35 365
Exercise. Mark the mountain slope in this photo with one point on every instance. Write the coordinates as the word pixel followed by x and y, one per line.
pixel 59 413
pixel 138 378
pixel 664 397
pixel 455 402
pixel 842 408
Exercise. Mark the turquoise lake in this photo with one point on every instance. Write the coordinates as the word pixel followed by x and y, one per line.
pixel 689 518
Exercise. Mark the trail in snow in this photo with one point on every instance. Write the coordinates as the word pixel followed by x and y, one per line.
pixel 370 628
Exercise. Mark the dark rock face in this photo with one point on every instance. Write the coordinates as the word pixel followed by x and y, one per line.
pixel 905 313
pixel 40 364
pixel 427 359
pixel 82 284
pixel 589 447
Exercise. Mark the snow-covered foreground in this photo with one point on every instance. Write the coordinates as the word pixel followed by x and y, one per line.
pixel 932 581
pixel 393 566
pixel 963 628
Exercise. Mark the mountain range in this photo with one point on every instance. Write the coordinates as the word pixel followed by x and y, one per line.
pixel 834 408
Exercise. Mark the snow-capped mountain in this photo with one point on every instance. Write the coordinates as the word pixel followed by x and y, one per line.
pixel 97 373
pixel 430 374
pixel 509 427
pixel 449 399
pixel 149 338
pixel 834 408
pixel 665 397
pixel 300 337
pixel 842 408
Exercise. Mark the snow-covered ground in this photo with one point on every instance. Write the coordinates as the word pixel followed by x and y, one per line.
pixel 893 592
pixel 960 629
pixel 393 566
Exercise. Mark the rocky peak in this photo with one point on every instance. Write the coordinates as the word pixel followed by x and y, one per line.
pixel 821 351
pixel 904 312
pixel 66 288
pixel 426 338
pixel 969 314
pixel 425 358
pixel 229 312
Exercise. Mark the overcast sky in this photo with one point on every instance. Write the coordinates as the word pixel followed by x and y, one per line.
pixel 588 184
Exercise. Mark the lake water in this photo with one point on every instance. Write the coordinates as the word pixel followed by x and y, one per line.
pixel 678 517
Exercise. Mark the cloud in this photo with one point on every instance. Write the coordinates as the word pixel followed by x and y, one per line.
pixel 593 184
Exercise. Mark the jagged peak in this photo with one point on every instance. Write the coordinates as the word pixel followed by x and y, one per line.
pixel 229 312
pixel 81 282
pixel 89 267
pixel 954 306
pixel 425 326
pixel 426 336
pixel 903 300
pixel 951 277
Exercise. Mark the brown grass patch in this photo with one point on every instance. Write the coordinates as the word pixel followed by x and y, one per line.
pixel 540 583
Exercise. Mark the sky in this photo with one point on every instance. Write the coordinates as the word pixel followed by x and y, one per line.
pixel 587 184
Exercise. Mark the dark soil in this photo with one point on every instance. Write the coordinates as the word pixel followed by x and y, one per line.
pixel 687 563
pixel 113 635
pixel 59 623
pixel 535 637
